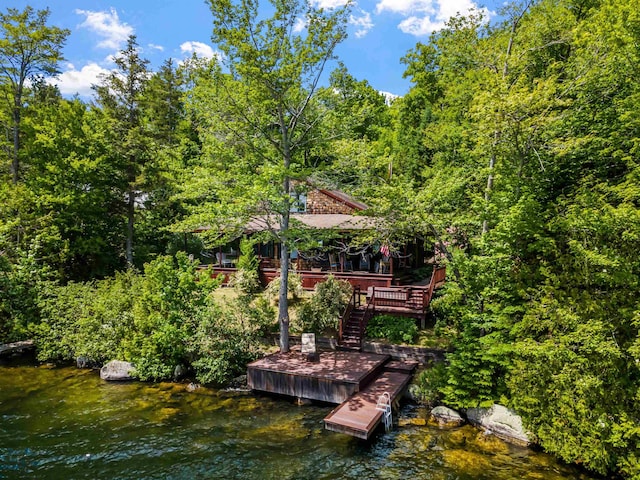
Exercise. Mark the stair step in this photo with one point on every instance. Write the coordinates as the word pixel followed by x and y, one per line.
pixel 402 366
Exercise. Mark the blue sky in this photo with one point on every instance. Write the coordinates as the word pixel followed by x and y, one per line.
pixel 380 33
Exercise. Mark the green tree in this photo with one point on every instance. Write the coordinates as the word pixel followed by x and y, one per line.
pixel 28 48
pixel 260 114
pixel 73 208
pixel 120 96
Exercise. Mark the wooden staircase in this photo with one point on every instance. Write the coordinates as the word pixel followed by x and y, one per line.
pixel 352 331
pixel 409 300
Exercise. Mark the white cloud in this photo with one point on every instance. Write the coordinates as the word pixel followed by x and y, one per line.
pixel 73 81
pixel 420 26
pixel 300 25
pixel 153 46
pixel 200 49
pixel 108 26
pixel 426 16
pixel 363 23
pixel 330 4
pixel 406 7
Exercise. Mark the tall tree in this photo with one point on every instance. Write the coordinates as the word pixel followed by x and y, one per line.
pixel 120 95
pixel 28 48
pixel 264 109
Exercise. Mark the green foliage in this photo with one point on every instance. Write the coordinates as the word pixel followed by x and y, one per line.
pixel 158 321
pixel 393 329
pixel 91 320
pixel 324 309
pixel 165 313
pixel 227 338
pixel 246 279
pixel 21 285
pixel 294 288
pixel 147 319
pixel 429 382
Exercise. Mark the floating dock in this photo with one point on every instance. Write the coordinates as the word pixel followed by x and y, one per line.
pixel 359 415
pixel 355 380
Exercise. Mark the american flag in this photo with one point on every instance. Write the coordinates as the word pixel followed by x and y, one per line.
pixel 384 249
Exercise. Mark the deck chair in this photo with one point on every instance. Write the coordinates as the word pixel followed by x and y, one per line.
pixel 334 266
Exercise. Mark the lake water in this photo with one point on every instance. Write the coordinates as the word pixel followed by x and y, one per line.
pixel 66 423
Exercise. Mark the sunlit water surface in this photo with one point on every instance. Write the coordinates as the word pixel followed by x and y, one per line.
pixel 66 423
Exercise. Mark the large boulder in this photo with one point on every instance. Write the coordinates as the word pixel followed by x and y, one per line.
pixel 117 371
pixel 446 417
pixel 501 421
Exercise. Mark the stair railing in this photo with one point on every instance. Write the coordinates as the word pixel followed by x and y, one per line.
pixel 369 312
pixel 354 302
pixel 437 279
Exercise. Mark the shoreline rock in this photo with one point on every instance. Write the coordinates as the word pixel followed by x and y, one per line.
pixel 446 417
pixel 501 422
pixel 117 371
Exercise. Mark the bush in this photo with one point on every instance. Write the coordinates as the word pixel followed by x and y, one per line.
pixel 86 319
pixel 294 287
pixel 429 382
pixel 246 279
pixel 158 321
pixel 165 314
pixel 323 311
pixel 21 284
pixel 393 329
pixel 226 339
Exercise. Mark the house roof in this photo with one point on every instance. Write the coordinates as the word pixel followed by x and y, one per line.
pixel 335 221
pixel 344 198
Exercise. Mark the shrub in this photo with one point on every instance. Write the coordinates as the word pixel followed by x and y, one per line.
pixel 165 314
pixel 227 338
pixel 21 284
pixel 326 306
pixel 393 329
pixel 429 383
pixel 246 279
pixel 294 287
pixel 86 319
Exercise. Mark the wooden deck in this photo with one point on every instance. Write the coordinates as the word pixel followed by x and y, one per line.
pixel 310 278
pixel 334 378
pixel 358 415
pixel 353 379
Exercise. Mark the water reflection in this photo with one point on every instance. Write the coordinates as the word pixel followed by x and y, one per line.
pixel 67 423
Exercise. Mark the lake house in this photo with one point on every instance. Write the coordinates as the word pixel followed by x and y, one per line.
pixel 338 252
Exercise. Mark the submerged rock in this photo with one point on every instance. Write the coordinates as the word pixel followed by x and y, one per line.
pixel 501 421
pixel 446 417
pixel 117 371
pixel 179 372
pixel 239 383
pixel 86 362
pixel 413 393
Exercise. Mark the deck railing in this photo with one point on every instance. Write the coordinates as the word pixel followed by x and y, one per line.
pixel 354 302
pixel 369 312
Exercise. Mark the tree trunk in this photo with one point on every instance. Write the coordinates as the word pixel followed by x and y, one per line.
pixel 15 162
pixel 487 192
pixel 497 133
pixel 130 222
pixel 283 300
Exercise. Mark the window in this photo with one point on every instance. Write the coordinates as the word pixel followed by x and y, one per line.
pixel 299 203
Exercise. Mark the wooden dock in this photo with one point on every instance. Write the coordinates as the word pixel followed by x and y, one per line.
pixel 334 378
pixel 358 416
pixel 353 379
pixel 16 347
